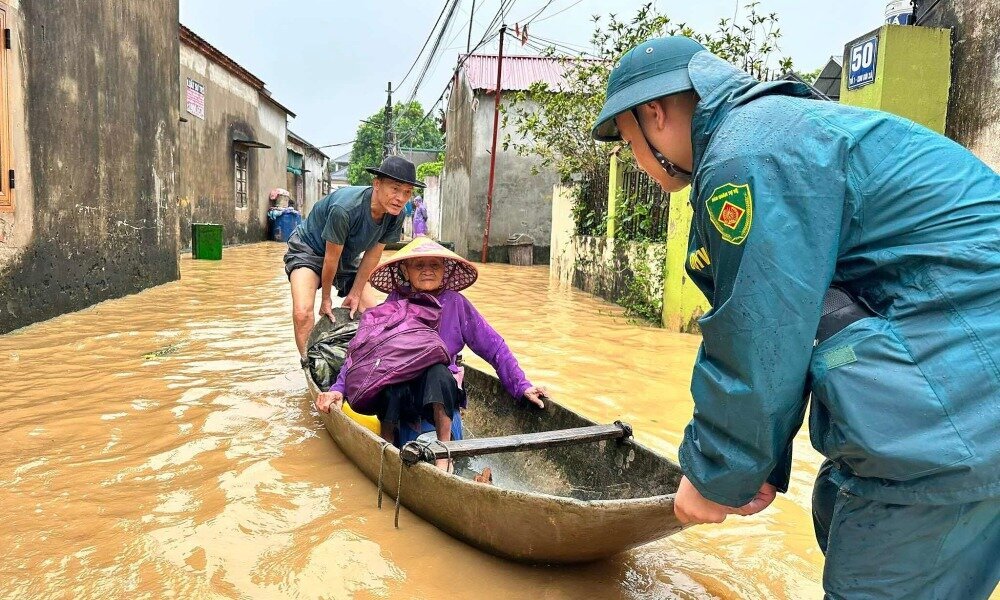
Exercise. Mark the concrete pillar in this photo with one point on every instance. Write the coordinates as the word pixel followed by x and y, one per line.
pixel 912 73
pixel 615 171
pixel 683 302
pixel 562 256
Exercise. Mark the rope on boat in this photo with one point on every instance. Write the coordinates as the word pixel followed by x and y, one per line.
pixel 381 468
pixel 424 453
pixel 399 492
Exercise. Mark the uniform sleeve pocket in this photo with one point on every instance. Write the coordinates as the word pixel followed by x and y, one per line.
pixel 874 411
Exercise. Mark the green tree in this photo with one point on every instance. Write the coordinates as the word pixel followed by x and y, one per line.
pixel 811 76
pixel 558 130
pixel 411 131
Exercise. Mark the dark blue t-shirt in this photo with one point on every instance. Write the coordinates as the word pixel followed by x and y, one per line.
pixel 345 218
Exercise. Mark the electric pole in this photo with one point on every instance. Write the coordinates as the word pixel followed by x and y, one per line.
pixel 387 125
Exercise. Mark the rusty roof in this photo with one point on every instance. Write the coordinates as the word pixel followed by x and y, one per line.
pixel 519 72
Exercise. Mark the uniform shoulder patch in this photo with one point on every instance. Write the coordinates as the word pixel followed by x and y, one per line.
pixel 730 207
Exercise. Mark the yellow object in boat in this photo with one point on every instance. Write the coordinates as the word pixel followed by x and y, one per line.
pixel 369 422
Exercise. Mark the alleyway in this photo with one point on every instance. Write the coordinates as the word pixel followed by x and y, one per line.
pixel 164 442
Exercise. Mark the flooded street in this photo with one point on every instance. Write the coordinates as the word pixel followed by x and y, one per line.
pixel 162 445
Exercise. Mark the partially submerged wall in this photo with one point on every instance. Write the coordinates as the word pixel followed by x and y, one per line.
pixel 95 216
pixel 647 279
pixel 521 199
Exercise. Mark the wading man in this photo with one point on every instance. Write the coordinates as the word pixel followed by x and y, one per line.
pixel 854 256
pixel 341 241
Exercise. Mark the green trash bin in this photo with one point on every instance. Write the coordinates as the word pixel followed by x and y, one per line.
pixel 206 241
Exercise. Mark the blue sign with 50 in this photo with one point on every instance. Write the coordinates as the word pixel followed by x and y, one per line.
pixel 861 66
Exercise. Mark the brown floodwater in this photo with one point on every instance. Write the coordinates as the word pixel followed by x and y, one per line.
pixel 162 445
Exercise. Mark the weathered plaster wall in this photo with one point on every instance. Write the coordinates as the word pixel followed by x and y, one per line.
pixel 562 253
pixel 974 105
pixel 521 199
pixel 627 273
pixel 458 170
pixel 432 202
pixel 96 155
pixel 315 165
pixel 233 108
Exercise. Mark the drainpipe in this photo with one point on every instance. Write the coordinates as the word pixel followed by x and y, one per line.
pixel 493 149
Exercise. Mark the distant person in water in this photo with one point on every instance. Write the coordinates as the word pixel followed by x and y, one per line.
pixel 341 241
pixel 419 217
pixel 425 266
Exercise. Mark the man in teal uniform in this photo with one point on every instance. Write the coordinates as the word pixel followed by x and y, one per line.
pixel 848 254
pixel 340 243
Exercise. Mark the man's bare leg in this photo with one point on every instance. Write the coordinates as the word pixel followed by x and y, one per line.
pixel 304 283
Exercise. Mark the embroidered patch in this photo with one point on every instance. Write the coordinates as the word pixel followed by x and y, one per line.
pixel 699 259
pixel 731 209
pixel 839 357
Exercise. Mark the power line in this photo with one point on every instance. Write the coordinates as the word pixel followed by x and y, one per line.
pixel 422 48
pixel 561 11
pixel 483 41
pixel 535 14
pixel 434 48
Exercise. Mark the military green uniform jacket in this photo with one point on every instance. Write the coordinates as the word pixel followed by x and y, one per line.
pixel 791 196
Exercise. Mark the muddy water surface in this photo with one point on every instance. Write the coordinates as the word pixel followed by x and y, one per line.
pixel 162 445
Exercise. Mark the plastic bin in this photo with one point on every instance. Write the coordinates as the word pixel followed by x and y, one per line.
pixel 206 241
pixel 282 225
pixel 521 250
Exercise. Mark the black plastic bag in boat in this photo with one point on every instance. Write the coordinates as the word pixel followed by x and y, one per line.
pixel 328 346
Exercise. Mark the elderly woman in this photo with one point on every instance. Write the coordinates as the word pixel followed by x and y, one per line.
pixel 435 395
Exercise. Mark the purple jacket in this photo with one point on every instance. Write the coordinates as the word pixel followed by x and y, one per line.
pixel 461 325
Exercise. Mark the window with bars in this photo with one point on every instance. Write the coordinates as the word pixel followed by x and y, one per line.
pixel 6 156
pixel 241 160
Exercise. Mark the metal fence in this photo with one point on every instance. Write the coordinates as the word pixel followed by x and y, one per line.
pixel 591 209
pixel 642 209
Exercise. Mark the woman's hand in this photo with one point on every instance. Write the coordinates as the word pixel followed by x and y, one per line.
pixel 535 394
pixel 327 399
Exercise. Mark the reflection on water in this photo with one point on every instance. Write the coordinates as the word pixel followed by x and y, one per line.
pixel 162 444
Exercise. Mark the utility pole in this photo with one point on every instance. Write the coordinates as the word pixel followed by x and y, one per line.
pixel 468 41
pixel 387 125
pixel 493 149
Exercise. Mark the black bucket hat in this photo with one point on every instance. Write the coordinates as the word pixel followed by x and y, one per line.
pixel 398 168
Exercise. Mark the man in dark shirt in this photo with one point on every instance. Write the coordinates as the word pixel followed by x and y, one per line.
pixel 341 241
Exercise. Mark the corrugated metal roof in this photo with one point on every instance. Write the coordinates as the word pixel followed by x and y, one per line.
pixel 519 72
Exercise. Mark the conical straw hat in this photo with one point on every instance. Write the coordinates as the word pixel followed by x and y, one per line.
pixel 458 272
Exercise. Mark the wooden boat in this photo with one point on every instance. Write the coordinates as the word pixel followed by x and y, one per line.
pixel 566 504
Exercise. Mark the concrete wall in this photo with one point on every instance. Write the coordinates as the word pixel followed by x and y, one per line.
pixel 608 268
pixel 973 106
pixel 315 164
pixel 912 75
pixel 457 174
pixel 93 89
pixel 233 108
pixel 521 200
pixel 432 202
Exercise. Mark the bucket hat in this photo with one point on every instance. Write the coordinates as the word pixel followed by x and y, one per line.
pixel 651 70
pixel 458 272
pixel 398 168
